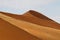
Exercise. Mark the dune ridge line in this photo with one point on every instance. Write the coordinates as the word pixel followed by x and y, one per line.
pixel 45 33
pixel 35 18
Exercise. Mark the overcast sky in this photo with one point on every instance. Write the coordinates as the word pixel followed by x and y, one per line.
pixel 50 8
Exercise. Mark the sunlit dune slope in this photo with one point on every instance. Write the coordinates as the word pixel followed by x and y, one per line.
pixel 36 18
pixel 45 33
pixel 11 32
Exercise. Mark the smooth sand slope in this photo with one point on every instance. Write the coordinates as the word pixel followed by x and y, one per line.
pixel 36 18
pixel 46 33
pixel 11 32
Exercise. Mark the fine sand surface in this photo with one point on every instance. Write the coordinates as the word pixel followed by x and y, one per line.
pixel 11 32
pixel 45 33
pixel 36 18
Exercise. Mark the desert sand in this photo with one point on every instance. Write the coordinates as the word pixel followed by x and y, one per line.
pixel 36 18
pixel 11 32
pixel 43 32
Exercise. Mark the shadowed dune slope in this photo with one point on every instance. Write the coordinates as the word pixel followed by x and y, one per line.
pixel 11 32
pixel 36 14
pixel 36 18
pixel 41 19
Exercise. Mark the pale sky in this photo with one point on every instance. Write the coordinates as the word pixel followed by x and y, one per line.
pixel 50 8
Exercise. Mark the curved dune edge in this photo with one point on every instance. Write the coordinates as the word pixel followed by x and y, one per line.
pixel 46 33
pixel 36 18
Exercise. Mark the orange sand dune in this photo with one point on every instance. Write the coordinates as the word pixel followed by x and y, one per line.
pixel 11 32
pixel 46 33
pixel 36 18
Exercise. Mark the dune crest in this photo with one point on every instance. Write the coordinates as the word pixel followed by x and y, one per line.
pixel 46 33
pixel 36 18
pixel 30 26
pixel 11 32
pixel 37 14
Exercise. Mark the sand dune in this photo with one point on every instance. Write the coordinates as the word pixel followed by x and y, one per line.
pixel 46 33
pixel 36 18
pixel 11 32
pixel 36 14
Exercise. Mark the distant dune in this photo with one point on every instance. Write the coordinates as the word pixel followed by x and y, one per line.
pixel 39 31
pixel 36 18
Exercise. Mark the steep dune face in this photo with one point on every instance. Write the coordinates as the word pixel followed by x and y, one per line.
pixel 46 33
pixel 40 19
pixel 36 18
pixel 11 32
pixel 36 14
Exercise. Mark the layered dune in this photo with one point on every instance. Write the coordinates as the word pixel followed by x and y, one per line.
pixel 39 31
pixel 36 18
pixel 12 32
